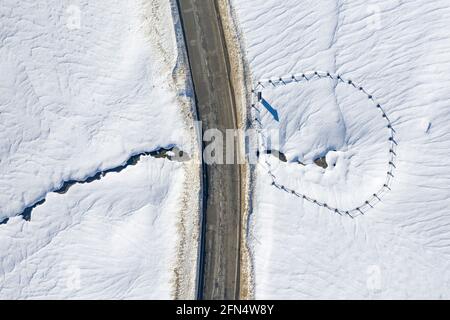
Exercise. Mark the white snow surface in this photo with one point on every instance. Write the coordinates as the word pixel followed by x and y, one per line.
pixel 114 238
pixel 75 99
pixel 398 51
pixel 84 86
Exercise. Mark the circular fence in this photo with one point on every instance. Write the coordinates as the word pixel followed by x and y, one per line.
pixel 366 204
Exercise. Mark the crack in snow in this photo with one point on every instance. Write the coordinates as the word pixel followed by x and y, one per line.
pixel 171 153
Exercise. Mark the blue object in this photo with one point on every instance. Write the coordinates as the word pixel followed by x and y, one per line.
pixel 269 108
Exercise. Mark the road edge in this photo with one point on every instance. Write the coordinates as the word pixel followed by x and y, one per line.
pixel 239 79
pixel 200 222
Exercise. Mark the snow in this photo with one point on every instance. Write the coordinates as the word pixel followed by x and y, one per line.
pixel 75 101
pixel 111 238
pixel 398 52
pixel 329 126
pixel 83 87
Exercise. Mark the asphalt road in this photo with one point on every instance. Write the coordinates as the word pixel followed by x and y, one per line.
pixel 219 273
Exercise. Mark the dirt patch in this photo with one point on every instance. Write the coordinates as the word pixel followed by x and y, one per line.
pixel 321 162
pixel 277 154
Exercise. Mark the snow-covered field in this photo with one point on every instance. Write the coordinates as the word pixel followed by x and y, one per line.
pixel 84 86
pixel 99 240
pixel 398 51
